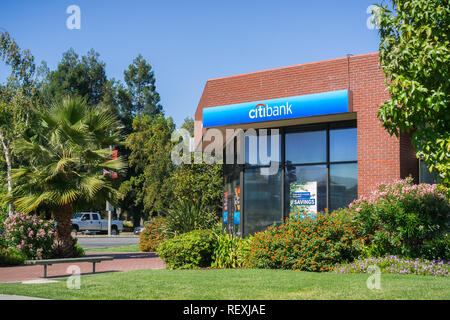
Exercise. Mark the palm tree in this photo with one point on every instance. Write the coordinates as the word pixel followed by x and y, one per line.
pixel 67 159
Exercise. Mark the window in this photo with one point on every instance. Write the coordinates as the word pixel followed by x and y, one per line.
pixel 254 146
pixel 425 176
pixel 262 200
pixel 94 216
pixel 306 147
pixel 343 145
pixel 343 184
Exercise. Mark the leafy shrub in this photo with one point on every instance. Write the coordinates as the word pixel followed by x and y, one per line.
pixel 151 237
pixel 3 217
pixel 403 219
pixel 304 243
pixel 231 251
pixel 186 216
pixel 79 251
pixel 394 264
pixel 189 250
pixel 30 234
pixel 11 257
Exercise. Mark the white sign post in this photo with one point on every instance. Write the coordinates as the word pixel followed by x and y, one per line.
pixel 109 209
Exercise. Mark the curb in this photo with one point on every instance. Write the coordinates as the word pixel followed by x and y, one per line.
pixel 106 236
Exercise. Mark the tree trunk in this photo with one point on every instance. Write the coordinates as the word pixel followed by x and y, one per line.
pixel 8 169
pixel 64 240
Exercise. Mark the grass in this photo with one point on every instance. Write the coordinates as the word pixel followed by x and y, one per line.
pixel 236 284
pixel 129 248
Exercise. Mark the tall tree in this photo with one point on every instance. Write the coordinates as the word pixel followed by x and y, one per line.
pixel 138 102
pixel 141 90
pixel 66 164
pixel 17 98
pixel 150 145
pixel 84 77
pixel 414 54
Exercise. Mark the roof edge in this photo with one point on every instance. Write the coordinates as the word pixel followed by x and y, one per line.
pixel 291 66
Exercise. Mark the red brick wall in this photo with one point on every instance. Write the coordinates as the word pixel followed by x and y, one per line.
pixel 379 154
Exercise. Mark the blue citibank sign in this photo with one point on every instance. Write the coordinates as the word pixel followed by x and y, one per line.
pixel 278 109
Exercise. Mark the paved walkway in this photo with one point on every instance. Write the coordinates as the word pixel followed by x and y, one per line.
pixel 13 297
pixel 121 262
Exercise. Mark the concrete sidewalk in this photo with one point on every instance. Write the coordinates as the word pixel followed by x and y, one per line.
pixel 122 262
pixel 12 297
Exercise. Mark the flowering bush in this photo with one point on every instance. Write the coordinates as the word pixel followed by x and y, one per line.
pixel 402 218
pixel 152 236
pixel 304 243
pixel 393 264
pixel 10 257
pixel 32 235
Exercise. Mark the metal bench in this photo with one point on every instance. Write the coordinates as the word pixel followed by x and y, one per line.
pixel 49 262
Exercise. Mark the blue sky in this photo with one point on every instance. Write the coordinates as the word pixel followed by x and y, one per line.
pixel 189 42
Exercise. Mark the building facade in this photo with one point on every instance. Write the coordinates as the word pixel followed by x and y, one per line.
pixel 330 147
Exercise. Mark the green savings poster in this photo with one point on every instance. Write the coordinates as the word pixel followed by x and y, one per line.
pixel 303 198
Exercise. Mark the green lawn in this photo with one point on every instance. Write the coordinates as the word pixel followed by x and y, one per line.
pixel 236 284
pixel 130 248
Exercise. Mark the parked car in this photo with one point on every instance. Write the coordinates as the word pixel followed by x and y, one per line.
pixel 91 221
pixel 138 230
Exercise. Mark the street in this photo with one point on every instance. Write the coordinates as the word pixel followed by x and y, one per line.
pixel 98 242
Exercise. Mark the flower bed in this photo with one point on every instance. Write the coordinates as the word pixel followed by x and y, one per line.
pixel 396 265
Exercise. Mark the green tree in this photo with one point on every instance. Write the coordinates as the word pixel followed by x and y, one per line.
pixel 188 124
pixel 414 54
pixel 150 161
pixel 18 97
pixel 198 184
pixel 84 77
pixel 140 95
pixel 66 164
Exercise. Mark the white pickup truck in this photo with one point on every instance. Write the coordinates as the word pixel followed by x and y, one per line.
pixel 91 221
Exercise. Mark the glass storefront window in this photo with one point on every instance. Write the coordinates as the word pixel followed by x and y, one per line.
pixel 312 179
pixel 253 144
pixel 343 145
pixel 306 147
pixel 319 171
pixel 343 184
pixel 262 200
